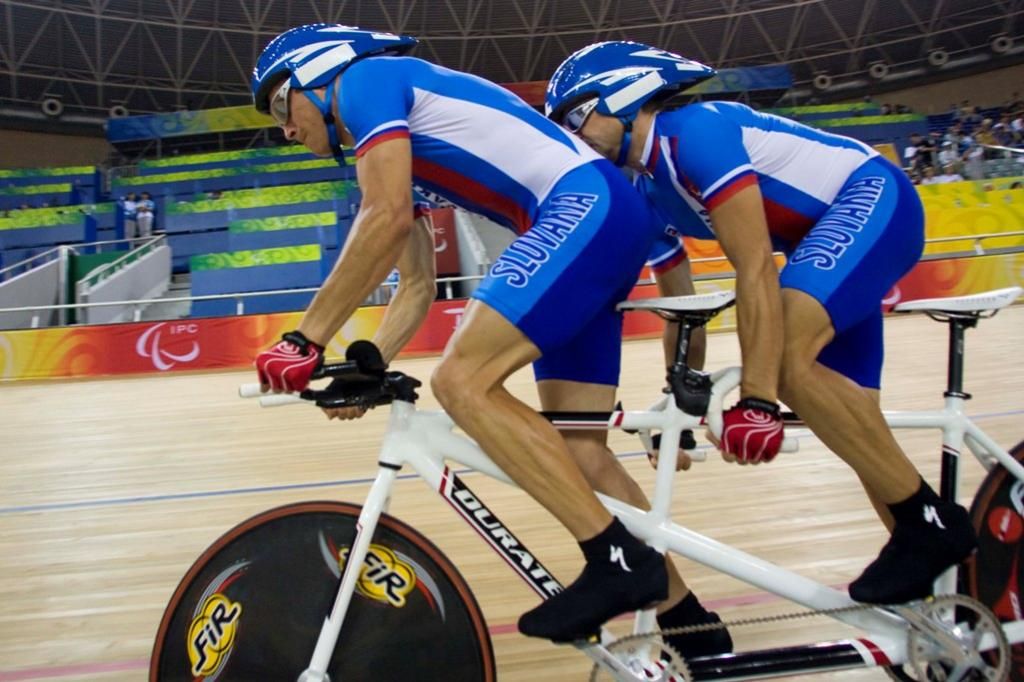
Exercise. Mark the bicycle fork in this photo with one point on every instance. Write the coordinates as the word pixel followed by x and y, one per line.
pixel 375 505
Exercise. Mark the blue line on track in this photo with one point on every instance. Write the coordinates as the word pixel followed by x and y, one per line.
pixel 141 499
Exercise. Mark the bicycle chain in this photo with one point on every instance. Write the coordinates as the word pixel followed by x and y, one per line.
pixel 744 622
pixel 707 627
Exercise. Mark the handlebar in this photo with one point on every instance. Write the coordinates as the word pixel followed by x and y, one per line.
pixel 362 381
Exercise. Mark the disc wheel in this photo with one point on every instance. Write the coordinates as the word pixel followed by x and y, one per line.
pixel 996 572
pixel 252 606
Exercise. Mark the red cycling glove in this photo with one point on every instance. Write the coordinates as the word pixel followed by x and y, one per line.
pixel 752 430
pixel 289 365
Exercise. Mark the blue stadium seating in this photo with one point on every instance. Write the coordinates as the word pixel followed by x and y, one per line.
pixel 257 278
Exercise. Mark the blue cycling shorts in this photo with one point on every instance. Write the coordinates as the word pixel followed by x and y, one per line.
pixel 870 237
pixel 559 281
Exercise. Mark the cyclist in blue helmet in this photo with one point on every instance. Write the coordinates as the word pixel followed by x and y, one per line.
pixel 850 224
pixel 582 236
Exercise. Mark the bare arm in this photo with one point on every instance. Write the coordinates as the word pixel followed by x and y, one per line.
pixel 678 281
pixel 742 230
pixel 379 236
pixel 417 287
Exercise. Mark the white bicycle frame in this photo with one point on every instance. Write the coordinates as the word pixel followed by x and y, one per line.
pixel 423 440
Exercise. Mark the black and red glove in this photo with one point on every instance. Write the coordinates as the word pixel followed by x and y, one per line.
pixel 752 430
pixel 289 365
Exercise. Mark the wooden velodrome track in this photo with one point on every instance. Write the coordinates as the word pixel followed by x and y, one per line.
pixel 110 488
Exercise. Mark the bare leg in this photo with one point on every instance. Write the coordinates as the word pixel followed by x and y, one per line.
pixel 599 465
pixel 845 416
pixel 928 534
pixel 621 573
pixel 485 350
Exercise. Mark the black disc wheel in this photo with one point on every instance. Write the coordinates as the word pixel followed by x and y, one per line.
pixel 252 606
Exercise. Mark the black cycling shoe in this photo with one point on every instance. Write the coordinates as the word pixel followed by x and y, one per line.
pixel 923 545
pixel 698 644
pixel 621 574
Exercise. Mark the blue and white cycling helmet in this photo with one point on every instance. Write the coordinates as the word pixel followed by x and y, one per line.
pixel 617 78
pixel 310 57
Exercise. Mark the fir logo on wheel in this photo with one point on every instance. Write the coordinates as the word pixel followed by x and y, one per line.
pixel 212 634
pixel 384 577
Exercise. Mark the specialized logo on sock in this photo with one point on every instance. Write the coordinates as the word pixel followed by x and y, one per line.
pixel 619 557
pixel 931 515
pixel 526 254
pixel 838 228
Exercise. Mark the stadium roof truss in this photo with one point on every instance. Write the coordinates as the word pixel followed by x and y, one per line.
pixel 162 55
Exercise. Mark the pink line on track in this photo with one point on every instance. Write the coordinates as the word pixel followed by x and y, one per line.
pixel 78 670
pixel 71 671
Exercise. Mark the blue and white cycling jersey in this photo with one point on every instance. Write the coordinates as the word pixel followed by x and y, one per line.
pixel 473 142
pixel 702 154
pixel 583 232
pixel 850 221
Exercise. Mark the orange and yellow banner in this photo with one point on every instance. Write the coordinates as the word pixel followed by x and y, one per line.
pixel 232 342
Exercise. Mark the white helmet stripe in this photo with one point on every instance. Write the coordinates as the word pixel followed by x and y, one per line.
pixel 303 52
pixel 312 69
pixel 634 91
pixel 654 53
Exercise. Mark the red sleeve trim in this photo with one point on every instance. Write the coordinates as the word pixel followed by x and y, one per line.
pixel 381 137
pixel 741 181
pixel 668 264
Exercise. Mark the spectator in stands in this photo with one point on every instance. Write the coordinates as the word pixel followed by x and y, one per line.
pixel 949 174
pixel 1003 132
pixel 1017 125
pixel 974 161
pixel 984 134
pixel 583 236
pixel 918 153
pixel 929 147
pixel 128 206
pixel 928 176
pixel 144 215
pixel 956 135
pixel 972 117
pixel 948 154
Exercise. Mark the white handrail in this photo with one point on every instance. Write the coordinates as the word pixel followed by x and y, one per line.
pixel 55 251
pixel 447 281
pixel 136 252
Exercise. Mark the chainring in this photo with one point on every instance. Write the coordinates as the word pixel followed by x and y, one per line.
pixel 929 661
pixel 662 663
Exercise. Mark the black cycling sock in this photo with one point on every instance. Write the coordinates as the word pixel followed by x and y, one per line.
pixel 621 574
pixel 930 536
pixel 689 612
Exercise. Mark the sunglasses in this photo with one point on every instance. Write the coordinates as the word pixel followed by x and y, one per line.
pixel 279 103
pixel 577 116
